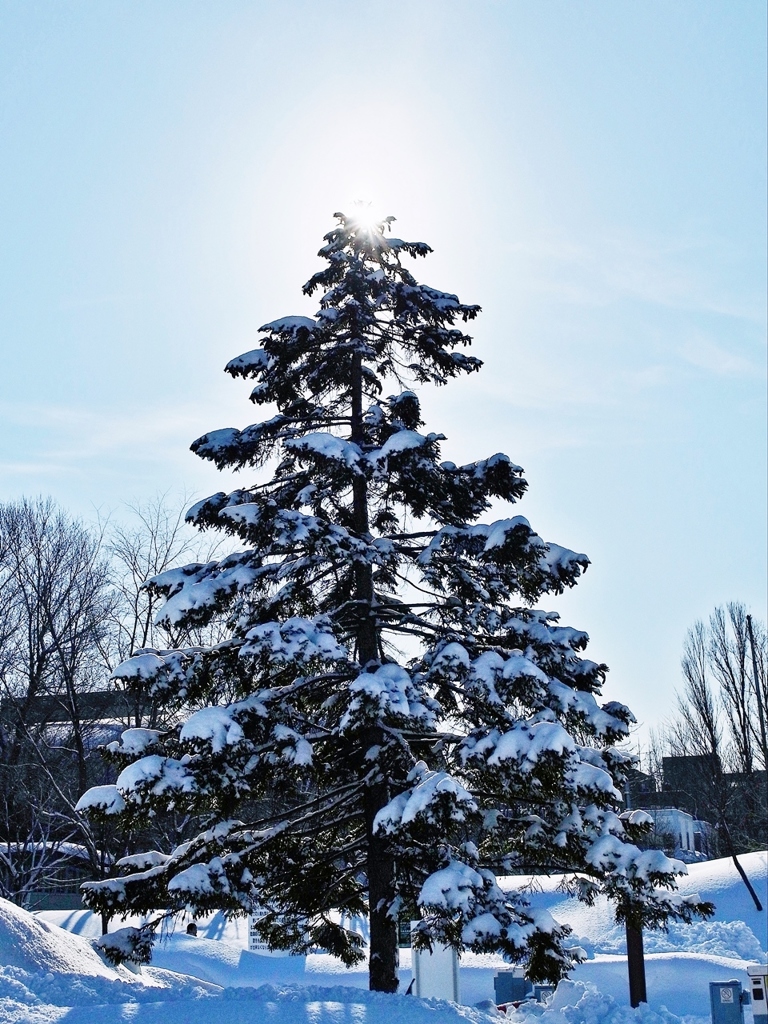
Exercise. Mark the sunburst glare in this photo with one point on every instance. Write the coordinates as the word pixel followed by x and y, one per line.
pixel 368 214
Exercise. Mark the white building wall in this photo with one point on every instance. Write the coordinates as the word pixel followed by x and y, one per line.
pixel 676 822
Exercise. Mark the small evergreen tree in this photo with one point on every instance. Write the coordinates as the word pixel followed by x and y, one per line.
pixel 392 723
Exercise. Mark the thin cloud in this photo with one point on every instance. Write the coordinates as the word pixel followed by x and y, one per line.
pixel 74 435
pixel 600 271
pixel 708 355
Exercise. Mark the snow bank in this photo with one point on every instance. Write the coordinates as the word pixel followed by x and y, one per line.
pixel 270 1004
pixel 577 1003
pixel 218 981
pixel 678 982
pixel 31 944
pixel 224 964
pixel 49 975
pixel 737 931
pixel 720 938
pixel 42 965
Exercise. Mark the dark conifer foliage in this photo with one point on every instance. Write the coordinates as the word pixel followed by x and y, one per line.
pixel 391 724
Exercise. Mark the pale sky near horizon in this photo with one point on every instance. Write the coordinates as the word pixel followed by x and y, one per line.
pixel 592 173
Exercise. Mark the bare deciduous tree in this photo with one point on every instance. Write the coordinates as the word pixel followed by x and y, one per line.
pixel 55 608
pixel 153 538
pixel 725 690
pixel 742 690
pixel 720 719
pixel 56 611
pixel 72 605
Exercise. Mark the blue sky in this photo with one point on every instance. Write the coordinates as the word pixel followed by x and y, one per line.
pixel 592 173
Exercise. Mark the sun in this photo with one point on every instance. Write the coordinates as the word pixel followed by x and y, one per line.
pixel 368 215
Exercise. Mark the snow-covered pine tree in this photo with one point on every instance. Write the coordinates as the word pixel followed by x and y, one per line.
pixel 334 774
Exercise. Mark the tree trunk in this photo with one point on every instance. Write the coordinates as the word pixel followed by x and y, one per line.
pixel 636 966
pixel 383 959
pixel 739 868
pixel 757 684
pixel 380 864
pixel 746 881
pixel 367 634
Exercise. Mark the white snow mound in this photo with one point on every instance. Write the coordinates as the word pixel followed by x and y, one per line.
pixel 738 929
pixel 218 981
pixel 575 1001
pixel 42 964
pixel 31 944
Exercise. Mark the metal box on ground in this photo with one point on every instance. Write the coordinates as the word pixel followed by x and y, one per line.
pixel 727 1000
pixel 758 977
pixel 511 986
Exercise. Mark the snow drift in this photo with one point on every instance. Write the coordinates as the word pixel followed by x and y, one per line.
pixel 42 964
pixel 52 976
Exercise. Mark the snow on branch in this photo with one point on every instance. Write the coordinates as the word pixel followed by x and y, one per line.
pixel 386 692
pixel 433 796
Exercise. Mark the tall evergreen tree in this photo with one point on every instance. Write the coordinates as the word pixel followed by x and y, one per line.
pixel 392 723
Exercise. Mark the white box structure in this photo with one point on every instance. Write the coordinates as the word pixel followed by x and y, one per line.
pixel 436 974
pixel 758 977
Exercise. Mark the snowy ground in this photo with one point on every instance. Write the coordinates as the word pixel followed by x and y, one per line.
pixel 50 973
